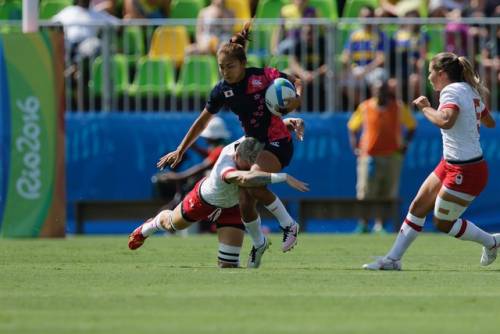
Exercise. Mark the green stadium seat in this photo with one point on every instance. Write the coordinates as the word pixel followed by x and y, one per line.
pixel 279 62
pixel 133 41
pixel 52 7
pixel 154 76
pixel 254 61
pixel 198 75
pixel 352 7
pixel 260 40
pixel 119 75
pixel 325 8
pixel 186 9
pixel 269 8
pixel 436 39
pixel 11 10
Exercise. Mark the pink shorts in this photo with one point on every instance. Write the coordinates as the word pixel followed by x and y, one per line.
pixel 469 178
pixel 194 209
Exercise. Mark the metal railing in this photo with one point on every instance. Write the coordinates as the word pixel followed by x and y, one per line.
pixel 130 67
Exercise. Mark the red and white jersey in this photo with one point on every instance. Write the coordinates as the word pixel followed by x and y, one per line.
pixel 214 189
pixel 461 142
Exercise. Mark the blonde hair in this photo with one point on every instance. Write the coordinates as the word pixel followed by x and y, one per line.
pixel 249 149
pixel 459 69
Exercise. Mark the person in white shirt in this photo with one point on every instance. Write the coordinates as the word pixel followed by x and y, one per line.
pixel 217 197
pixel 462 173
pixel 81 28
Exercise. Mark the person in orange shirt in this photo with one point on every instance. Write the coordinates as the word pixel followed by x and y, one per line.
pixel 377 139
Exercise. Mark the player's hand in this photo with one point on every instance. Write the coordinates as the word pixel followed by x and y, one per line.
pixel 291 103
pixel 171 159
pixel 421 102
pixel 296 184
pixel 298 126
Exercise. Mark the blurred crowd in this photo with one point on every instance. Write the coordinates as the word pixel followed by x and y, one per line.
pixel 363 53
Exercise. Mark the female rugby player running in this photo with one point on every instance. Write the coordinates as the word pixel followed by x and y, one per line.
pixel 462 173
pixel 243 90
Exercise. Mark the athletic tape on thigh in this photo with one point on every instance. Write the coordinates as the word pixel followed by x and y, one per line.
pixel 447 210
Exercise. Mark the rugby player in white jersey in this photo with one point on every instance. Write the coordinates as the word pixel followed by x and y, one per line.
pixel 217 196
pixel 462 173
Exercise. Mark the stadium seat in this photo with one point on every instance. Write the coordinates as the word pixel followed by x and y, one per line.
pixel 241 10
pixel 11 10
pixel 325 8
pixel 186 9
pixel 169 42
pixel 352 7
pixel 279 62
pixel 118 73
pixel 197 75
pixel 436 39
pixel 132 41
pixel 52 7
pixel 269 8
pixel 260 40
pixel 154 76
pixel 254 61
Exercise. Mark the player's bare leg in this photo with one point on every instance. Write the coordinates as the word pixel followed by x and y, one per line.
pixel 166 220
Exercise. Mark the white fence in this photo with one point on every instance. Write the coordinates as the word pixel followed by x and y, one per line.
pixel 149 65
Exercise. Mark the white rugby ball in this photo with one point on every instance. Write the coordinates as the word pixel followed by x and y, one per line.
pixel 277 93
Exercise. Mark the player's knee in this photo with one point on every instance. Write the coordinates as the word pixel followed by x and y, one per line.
pixel 443 225
pixel 229 256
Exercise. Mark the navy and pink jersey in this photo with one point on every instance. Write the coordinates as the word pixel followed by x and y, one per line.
pixel 247 100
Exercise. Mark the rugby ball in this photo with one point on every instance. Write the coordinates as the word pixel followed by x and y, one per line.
pixel 277 93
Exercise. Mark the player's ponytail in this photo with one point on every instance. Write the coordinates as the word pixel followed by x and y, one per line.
pixel 243 36
pixel 472 78
pixel 237 44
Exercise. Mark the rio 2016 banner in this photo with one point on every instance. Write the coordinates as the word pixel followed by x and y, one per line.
pixel 32 178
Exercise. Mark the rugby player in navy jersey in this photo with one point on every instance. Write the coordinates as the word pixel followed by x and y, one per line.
pixel 242 90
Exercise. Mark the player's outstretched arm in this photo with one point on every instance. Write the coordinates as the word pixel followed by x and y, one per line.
pixel 249 179
pixel 173 158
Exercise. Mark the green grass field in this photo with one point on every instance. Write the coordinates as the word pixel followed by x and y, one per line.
pixel 171 285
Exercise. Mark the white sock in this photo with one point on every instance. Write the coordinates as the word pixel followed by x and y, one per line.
pixel 466 230
pixel 153 226
pixel 279 211
pixel 229 254
pixel 255 232
pixel 409 231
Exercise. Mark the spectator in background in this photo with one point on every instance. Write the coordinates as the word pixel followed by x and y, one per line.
pixel 211 31
pixel 456 33
pixel 375 135
pixel 307 61
pixel 291 30
pixel 439 8
pixel 396 8
pixel 108 6
pixel 363 58
pixel 408 54
pixel 216 135
pixel 490 60
pixel 81 37
pixel 146 9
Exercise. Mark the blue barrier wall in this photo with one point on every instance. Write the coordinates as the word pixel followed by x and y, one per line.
pixel 113 156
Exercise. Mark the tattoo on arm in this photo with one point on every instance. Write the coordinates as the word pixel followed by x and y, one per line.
pixel 257 179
